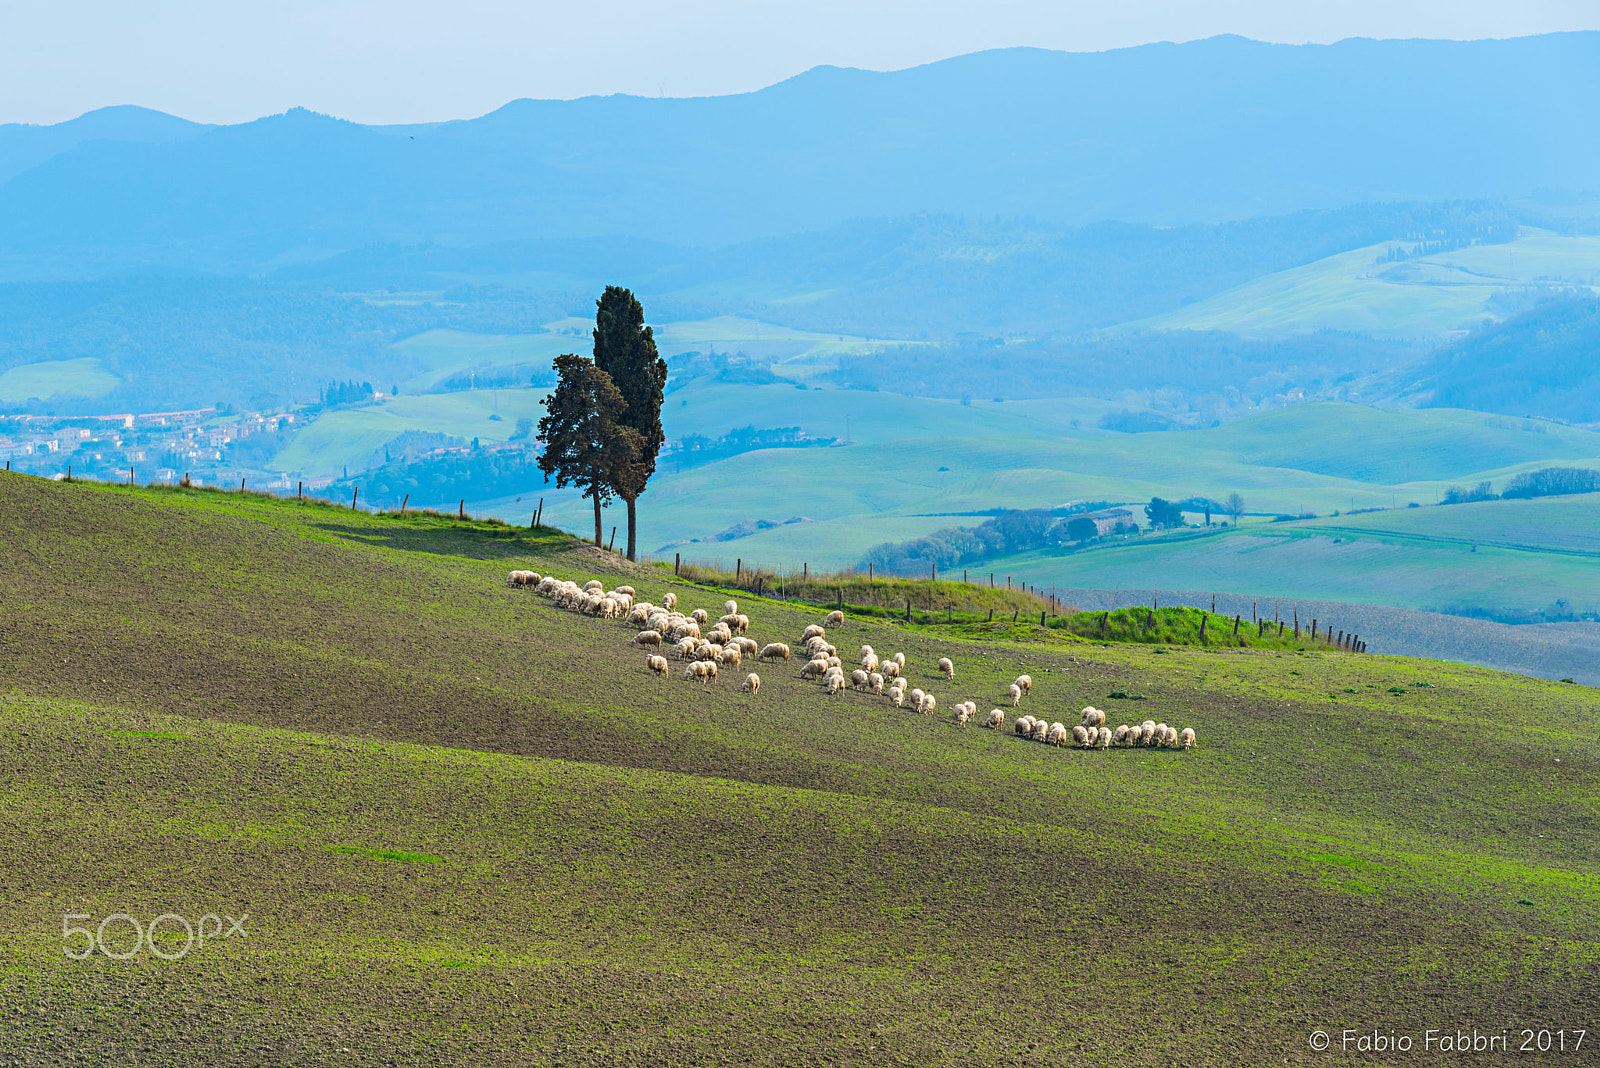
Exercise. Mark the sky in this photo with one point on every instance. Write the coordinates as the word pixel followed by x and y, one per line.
pixel 384 61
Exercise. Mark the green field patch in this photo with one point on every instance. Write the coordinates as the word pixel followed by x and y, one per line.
pixel 151 734
pixel 387 854
pixel 85 377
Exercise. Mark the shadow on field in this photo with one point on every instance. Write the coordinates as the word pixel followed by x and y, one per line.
pixel 480 543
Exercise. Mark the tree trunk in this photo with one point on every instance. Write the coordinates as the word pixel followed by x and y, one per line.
pixel 595 493
pixel 632 526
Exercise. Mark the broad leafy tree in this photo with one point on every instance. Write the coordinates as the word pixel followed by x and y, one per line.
pixel 584 441
pixel 1163 513
pixel 625 349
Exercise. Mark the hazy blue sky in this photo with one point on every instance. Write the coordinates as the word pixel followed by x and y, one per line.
pixel 418 60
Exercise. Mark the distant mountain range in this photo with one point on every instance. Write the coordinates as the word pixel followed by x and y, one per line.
pixel 1167 134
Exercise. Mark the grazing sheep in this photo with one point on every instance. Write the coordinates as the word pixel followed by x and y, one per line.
pixel 629 590
pixel 744 623
pixel 1056 734
pixel 897 698
pixel 916 699
pixel 1093 717
pixel 963 713
pixel 1171 741
pixel 834 661
pixel 639 616
pixel 593 584
pixel 1148 727
pixel 547 585
pixel 890 668
pixel 747 646
pixel 685 649
pixel 929 703
pixel 814 667
pixel 708 651
pixel 866 650
pixel 1040 730
pixel 696 669
pixel 700 615
pixel 947 667
pixel 812 631
pixel 1026 682
pixel 518 578
pixel 730 608
pixel 858 679
pixel 658 664
pixel 900 658
pixel 1016 694
pixel 1080 735
pixel 752 683
pixel 835 684
pixel 875 682
pixel 1122 734
pixel 1186 739
pixel 1104 739
pixel 869 661
pixel 774 651
pixel 901 683
pixel 732 656
pixel 648 637
pixel 669 601
pixel 1024 725
pixel 1135 736
pixel 834 619
pixel 685 630
pixel 997 719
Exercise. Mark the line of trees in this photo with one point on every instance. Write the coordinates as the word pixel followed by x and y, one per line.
pixel 602 428
pixel 346 392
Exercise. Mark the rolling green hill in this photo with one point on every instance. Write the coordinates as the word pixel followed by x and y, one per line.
pixel 468 827
pixel 1427 295
pixel 83 377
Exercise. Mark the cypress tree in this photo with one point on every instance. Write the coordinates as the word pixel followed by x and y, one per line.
pixel 625 349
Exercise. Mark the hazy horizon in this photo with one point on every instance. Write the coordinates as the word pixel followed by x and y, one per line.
pixel 400 66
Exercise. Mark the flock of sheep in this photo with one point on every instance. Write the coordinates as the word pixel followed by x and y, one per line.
pixel 707 647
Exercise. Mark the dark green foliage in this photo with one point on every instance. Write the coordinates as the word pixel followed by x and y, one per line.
pixel 1081 529
pixel 1163 514
pixel 1552 482
pixel 585 443
pixel 692 449
pixel 346 392
pixel 1010 531
pixel 1483 491
pixel 625 349
pixel 1178 626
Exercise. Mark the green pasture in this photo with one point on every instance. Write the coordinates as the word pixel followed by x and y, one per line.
pixel 469 827
pixel 1430 295
pixel 85 377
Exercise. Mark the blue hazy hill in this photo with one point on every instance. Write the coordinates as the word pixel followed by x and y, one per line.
pixel 1169 134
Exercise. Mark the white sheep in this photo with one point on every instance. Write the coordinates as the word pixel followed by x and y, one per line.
pixel 639 616
pixel 916 699
pixel 1041 730
pixel 658 664
pixel 1134 736
pixel 1057 734
pixel 669 601
pixel 730 608
pixel 708 651
pixel 869 661
pixel 1093 717
pixel 685 649
pixel 900 658
pixel 929 703
pixel 685 630
pixel 901 683
pixel 731 656
pixel 947 667
pixel 747 646
pixel 774 651
pixel 629 590
pixel 700 615
pixel 834 619
pixel 1122 734
pixel 648 637
pixel 814 667
pixel 752 683
pixel 1015 693
pixel 593 584
pixel 1026 682
pixel 835 684
pixel 875 682
pixel 897 698
pixel 1080 735
pixel 812 631
pixel 1186 739
pixel 743 623
pixel 866 650
pixel 889 668
pixel 859 679
pixel 1171 740
pixel 997 719
pixel 963 713
pixel 1104 741
pixel 834 662
pixel 1024 725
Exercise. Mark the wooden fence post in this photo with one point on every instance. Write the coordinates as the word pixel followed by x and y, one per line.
pixel 241 485
pixel 130 472
pixel 933 572
pixel 1236 621
pixel 1016 614
pixel 677 561
pixel 538 517
pixel 355 492
pixel 908 610
pixel 461 509
pixel 1041 619
pixel 69 472
pixel 991 580
pixel 1203 619
pixel 300 491
pixel 613 539
pixel 805 573
pixel 738 561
